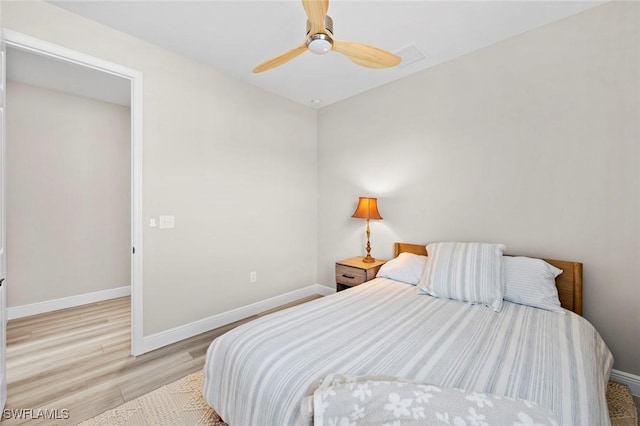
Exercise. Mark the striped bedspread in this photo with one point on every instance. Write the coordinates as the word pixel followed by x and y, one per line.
pixel 259 373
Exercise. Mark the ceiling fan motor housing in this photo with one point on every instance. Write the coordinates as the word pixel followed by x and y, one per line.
pixel 328 25
pixel 320 43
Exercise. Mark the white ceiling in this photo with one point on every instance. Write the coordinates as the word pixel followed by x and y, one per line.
pixel 235 36
pixel 43 71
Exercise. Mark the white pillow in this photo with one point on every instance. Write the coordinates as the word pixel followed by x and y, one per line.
pixel 468 272
pixel 407 268
pixel 531 282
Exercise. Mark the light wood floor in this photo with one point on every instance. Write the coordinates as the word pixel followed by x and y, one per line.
pixel 79 359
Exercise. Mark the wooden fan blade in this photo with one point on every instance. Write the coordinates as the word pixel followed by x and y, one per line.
pixel 365 55
pixel 280 59
pixel 316 10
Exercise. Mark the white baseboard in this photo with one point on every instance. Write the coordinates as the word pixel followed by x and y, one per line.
pixel 324 290
pixel 164 338
pixel 66 302
pixel 628 379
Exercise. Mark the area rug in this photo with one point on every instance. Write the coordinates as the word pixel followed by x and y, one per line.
pixel 622 408
pixel 177 404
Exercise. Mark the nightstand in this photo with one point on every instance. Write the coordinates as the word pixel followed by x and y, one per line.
pixel 351 272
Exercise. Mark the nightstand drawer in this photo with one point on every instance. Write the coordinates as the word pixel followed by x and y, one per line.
pixel 348 275
pixel 354 271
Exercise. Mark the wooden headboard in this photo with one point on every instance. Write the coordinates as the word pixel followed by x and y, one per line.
pixel 569 283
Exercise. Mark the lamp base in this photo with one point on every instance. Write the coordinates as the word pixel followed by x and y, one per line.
pixel 368 259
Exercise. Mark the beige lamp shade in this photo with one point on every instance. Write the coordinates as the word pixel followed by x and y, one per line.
pixel 367 209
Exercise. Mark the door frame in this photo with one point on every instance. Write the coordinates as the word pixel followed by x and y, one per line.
pixel 3 228
pixel 44 48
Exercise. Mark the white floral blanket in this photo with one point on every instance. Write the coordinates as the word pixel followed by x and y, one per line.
pixel 386 401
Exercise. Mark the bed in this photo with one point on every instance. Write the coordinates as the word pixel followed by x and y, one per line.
pixel 265 372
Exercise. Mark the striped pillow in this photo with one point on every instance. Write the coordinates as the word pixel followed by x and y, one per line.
pixel 468 272
pixel 531 282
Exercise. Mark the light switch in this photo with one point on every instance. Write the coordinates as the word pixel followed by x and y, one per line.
pixel 152 223
pixel 167 222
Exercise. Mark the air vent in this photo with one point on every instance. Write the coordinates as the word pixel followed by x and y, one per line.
pixel 410 55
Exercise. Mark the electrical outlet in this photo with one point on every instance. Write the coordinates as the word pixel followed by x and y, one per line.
pixel 253 277
pixel 167 222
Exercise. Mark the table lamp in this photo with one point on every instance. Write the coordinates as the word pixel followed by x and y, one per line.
pixel 367 209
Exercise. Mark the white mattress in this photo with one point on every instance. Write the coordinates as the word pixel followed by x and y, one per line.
pixel 258 373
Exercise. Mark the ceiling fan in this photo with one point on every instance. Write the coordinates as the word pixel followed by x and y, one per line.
pixel 320 40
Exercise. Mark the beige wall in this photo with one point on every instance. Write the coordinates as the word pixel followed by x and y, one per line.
pixel 68 192
pixel 235 165
pixel 533 142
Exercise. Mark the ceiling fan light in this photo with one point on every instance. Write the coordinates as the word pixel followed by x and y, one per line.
pixel 319 44
pixel 319 47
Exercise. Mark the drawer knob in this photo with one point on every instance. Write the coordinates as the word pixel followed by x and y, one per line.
pixel 348 276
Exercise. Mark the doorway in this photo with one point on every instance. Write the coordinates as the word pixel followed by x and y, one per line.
pixel 108 71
